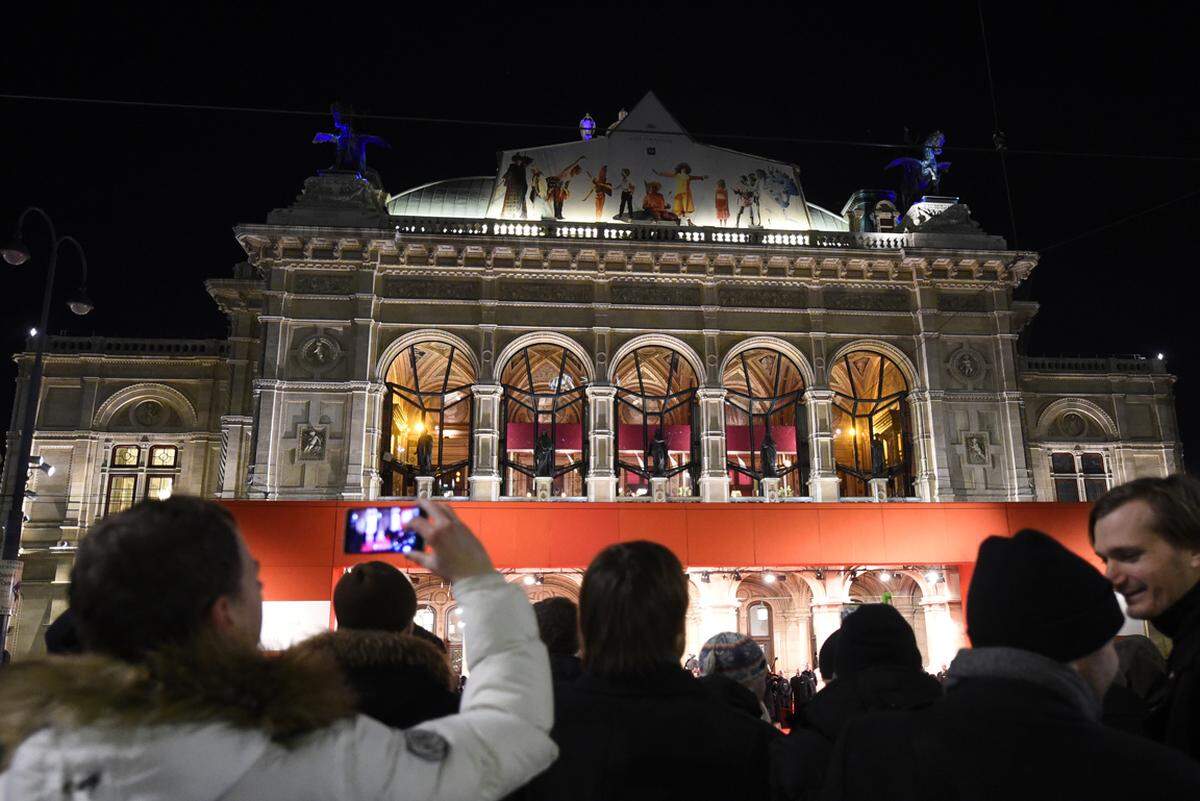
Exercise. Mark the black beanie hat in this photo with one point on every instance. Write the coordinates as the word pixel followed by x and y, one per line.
pixel 1030 592
pixel 374 595
pixel 873 635
pixel 827 658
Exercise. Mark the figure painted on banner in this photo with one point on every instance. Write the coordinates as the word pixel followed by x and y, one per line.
pixel 747 195
pixel 601 188
pixel 722 198
pixel 425 455
pixel 655 205
pixel 558 186
pixel 779 185
pixel 543 455
pixel 537 193
pixel 626 186
pixel 658 454
pixel 768 453
pixel 684 204
pixel 515 185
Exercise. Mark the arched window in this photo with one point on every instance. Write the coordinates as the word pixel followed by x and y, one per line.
pixel 872 437
pixel 427 405
pixel 760 626
pixel 544 407
pixel 426 618
pixel 765 434
pixel 657 431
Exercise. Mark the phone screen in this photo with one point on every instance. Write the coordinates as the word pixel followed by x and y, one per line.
pixel 382 530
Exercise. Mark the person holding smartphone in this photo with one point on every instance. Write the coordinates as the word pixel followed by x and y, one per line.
pixel 173 698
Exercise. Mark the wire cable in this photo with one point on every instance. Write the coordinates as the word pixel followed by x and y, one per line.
pixel 997 134
pixel 559 127
pixel 1119 221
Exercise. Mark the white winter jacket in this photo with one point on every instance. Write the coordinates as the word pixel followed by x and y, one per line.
pixel 496 743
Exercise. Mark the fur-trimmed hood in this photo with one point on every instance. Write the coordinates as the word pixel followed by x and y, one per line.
pixel 356 649
pixel 227 704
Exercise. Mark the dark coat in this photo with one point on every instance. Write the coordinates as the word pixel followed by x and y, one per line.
pixel 1003 738
pixel 729 692
pixel 658 737
pixel 400 680
pixel 565 668
pixel 1176 721
pixel 799 761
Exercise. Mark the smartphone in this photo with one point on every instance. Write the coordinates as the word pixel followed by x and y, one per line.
pixel 384 529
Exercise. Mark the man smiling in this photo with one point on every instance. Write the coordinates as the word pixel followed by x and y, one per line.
pixel 1148 534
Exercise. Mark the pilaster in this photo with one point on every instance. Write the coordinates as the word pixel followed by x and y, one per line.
pixel 823 483
pixel 485 472
pixel 601 478
pixel 714 475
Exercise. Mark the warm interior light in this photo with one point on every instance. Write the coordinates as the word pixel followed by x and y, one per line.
pixel 769 578
pixel 529 580
pixel 419 427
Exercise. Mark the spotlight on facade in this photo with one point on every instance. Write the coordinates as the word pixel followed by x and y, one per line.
pixel 885 576
pixel 932 576
pixel 820 574
pixel 705 577
pixel 1160 356
pixel 529 580
pixel 769 578
pixel 33 332
pixel 539 579
pixel 587 127
pixel 15 252
pixel 737 576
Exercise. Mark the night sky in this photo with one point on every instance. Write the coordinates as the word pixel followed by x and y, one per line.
pixel 153 194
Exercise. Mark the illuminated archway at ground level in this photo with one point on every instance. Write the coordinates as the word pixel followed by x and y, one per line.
pixel 299 547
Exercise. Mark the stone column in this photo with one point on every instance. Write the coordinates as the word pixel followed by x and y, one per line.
pixel 929 458
pixel 940 631
pixel 717 606
pixel 714 476
pixel 826 619
pixel 602 437
pixel 823 484
pixel 485 472
pixel 795 651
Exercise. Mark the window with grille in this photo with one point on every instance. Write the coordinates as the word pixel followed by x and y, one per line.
pixel 1079 476
pixel 121 491
pixel 125 456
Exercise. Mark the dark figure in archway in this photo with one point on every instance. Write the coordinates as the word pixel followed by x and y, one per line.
pixel 425 455
pixel 543 455
pixel 769 452
pixel 658 454
pixel 878 460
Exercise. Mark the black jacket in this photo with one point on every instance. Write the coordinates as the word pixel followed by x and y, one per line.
pixel 1029 730
pixel 565 668
pixel 800 760
pixel 400 680
pixel 659 737
pixel 729 692
pixel 1176 721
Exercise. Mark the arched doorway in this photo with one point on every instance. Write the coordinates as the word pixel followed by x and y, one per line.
pixel 898 590
pixel 657 430
pixel 544 409
pixel 871 424
pixel 765 432
pixel 427 414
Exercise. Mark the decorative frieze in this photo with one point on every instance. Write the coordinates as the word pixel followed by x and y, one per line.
pixel 962 302
pixel 860 300
pixel 762 297
pixel 315 283
pixel 431 288
pixel 547 292
pixel 632 294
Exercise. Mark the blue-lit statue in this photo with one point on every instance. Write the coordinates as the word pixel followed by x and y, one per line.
pixel 924 175
pixel 351 147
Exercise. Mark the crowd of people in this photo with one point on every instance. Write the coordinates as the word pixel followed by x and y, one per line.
pixel 157 688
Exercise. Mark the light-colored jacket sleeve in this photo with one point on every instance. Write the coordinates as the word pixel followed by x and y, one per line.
pixel 497 742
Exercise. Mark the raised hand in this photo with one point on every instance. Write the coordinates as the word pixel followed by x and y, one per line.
pixel 451 550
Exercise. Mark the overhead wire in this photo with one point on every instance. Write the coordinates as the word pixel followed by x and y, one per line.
pixel 494 123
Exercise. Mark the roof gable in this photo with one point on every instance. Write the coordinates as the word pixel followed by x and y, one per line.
pixel 650 115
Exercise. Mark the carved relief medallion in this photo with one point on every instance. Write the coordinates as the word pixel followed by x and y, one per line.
pixel 320 353
pixel 968 366
pixel 149 413
pixel 311 446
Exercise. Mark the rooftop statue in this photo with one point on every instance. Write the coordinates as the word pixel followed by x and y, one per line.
pixel 351 153
pixel 924 175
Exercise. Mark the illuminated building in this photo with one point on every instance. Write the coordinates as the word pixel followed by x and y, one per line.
pixel 678 325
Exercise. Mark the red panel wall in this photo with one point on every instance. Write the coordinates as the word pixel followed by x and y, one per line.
pixel 299 543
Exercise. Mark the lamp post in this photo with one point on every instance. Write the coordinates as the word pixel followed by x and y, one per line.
pixel 16 253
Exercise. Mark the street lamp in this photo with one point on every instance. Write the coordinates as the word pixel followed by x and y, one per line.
pixel 16 253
